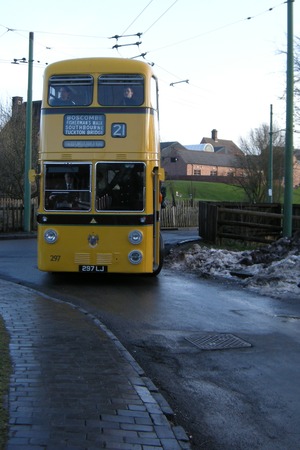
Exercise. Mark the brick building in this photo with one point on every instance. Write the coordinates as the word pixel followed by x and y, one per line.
pixel 214 158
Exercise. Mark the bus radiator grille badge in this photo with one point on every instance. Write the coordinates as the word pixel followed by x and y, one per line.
pixel 93 240
pixel 219 341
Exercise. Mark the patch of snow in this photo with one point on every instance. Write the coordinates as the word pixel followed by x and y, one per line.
pixel 272 270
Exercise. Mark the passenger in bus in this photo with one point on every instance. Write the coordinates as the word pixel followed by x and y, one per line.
pixel 65 97
pixel 128 97
pixel 127 189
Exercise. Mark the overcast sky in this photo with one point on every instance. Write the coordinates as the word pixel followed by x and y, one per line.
pixel 231 52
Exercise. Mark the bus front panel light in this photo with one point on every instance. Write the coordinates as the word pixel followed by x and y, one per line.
pixel 50 236
pixel 135 257
pixel 135 237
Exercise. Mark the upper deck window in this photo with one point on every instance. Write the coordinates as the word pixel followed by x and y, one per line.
pixel 69 90
pixel 121 90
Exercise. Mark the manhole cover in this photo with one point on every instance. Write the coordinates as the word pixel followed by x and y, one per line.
pixel 220 341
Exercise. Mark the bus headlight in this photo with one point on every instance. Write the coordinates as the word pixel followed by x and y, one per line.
pixel 135 257
pixel 135 237
pixel 50 236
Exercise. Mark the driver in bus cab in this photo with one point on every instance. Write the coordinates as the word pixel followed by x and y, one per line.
pixel 67 183
pixel 69 198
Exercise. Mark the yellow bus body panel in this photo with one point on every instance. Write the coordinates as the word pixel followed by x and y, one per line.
pixel 137 146
pixel 73 249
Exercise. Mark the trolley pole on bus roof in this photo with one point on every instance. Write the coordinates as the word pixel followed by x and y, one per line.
pixel 288 176
pixel 28 145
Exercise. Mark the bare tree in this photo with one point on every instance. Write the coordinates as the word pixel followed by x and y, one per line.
pixel 255 163
pixel 12 151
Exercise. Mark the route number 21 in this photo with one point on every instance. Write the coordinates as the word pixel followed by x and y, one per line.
pixel 118 130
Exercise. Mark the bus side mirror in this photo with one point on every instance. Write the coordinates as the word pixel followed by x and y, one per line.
pixel 32 175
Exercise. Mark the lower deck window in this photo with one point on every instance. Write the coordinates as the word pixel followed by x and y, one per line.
pixel 120 186
pixel 67 186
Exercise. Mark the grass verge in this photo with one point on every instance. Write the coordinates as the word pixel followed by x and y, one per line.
pixel 205 191
pixel 209 191
pixel 5 369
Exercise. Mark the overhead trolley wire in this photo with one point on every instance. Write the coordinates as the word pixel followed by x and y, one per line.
pixel 144 9
pixel 161 16
pixel 217 29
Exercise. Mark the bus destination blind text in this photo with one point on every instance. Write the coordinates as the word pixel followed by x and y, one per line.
pixel 84 124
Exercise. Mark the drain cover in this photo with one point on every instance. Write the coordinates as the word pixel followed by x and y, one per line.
pixel 220 341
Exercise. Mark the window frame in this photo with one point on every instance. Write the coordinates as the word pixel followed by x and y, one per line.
pixel 77 199
pixel 80 86
pixel 117 189
pixel 111 87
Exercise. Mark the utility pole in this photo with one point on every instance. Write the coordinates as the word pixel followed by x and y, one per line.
pixel 28 145
pixel 288 176
pixel 270 160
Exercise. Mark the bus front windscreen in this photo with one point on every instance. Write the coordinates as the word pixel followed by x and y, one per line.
pixel 120 186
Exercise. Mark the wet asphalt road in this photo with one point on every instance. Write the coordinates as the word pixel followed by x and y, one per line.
pixel 234 398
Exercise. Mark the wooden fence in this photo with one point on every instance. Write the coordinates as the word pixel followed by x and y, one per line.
pixel 12 215
pixel 184 215
pixel 216 221
pixel 243 221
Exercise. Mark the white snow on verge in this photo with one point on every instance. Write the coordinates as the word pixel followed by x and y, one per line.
pixel 272 270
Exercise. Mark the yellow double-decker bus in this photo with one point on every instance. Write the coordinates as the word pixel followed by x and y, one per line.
pixel 99 168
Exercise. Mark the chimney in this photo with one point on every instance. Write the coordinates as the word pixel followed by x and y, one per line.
pixel 16 105
pixel 214 135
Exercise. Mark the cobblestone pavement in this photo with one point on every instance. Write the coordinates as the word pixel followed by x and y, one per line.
pixel 73 384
